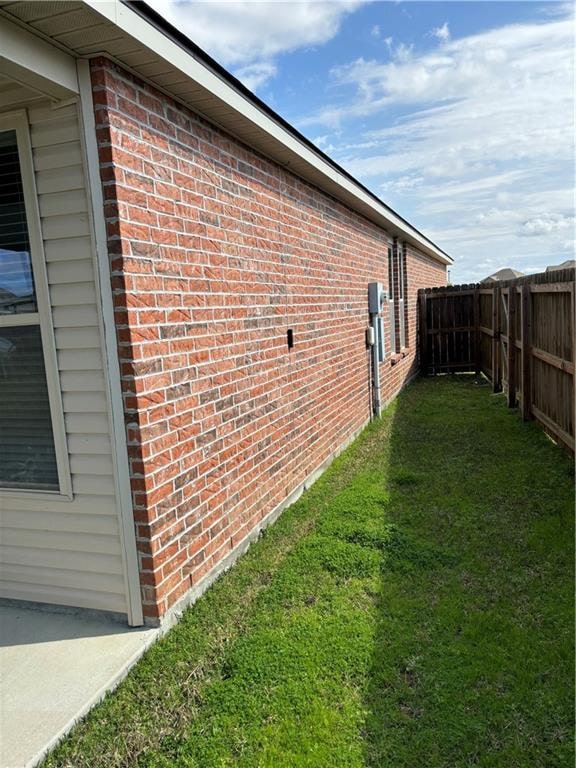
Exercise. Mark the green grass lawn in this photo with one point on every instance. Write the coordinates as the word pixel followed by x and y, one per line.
pixel 414 609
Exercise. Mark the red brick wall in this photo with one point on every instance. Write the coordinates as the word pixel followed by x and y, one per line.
pixel 215 253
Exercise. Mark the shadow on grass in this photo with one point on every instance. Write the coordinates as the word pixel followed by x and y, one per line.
pixel 473 650
pixel 412 610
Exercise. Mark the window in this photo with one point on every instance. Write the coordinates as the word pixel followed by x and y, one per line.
pixel 397 292
pixel 391 302
pixel 28 400
pixel 401 266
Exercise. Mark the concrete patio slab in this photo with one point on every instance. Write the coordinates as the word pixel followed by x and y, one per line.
pixel 53 668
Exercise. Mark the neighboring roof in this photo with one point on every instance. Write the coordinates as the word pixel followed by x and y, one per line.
pixel 568 264
pixel 142 41
pixel 507 273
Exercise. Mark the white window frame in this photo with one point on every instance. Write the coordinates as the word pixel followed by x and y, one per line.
pixel 17 122
pixel 401 262
pixel 391 300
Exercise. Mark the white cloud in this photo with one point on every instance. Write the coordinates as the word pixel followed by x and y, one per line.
pixel 485 123
pixel 256 74
pixel 402 52
pixel 442 33
pixel 547 224
pixel 244 32
pixel 556 8
pixel 402 183
pixel 503 62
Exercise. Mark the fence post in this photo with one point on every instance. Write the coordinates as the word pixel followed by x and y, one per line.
pixel 423 333
pixel 573 322
pixel 496 381
pixel 511 346
pixel 526 353
pixel 476 309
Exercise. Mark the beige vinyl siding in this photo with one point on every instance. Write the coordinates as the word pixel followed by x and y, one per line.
pixel 53 549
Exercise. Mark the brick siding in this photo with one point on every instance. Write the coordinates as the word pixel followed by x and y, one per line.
pixel 215 253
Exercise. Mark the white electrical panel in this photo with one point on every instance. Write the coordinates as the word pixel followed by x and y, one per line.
pixel 376 296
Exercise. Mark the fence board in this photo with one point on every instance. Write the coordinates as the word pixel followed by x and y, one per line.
pixel 519 333
pixel 496 372
pixel 512 368
pixel 526 362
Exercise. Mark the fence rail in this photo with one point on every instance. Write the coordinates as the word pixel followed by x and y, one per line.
pixel 519 333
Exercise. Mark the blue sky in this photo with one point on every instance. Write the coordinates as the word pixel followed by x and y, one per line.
pixel 460 115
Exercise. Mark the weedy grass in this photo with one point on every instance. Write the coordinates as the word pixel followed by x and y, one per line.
pixel 413 609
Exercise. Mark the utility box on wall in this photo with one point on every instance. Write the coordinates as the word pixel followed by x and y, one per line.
pixel 376 297
pixel 376 300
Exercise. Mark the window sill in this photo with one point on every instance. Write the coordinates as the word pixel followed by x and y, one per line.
pixel 31 494
pixel 397 356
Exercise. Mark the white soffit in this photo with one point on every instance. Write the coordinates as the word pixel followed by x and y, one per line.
pixel 36 64
pixel 110 27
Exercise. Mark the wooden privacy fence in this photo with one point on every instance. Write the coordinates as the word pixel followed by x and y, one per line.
pixel 519 333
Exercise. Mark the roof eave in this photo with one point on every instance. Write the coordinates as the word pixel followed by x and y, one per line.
pixel 132 33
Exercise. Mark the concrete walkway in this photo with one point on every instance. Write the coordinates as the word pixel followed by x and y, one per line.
pixel 53 668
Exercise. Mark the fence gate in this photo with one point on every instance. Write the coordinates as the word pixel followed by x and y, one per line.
pixel 449 338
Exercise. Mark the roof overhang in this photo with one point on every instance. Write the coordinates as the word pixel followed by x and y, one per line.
pixel 143 42
pixel 36 64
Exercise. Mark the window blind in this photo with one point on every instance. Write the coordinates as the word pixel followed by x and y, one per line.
pixel 27 453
